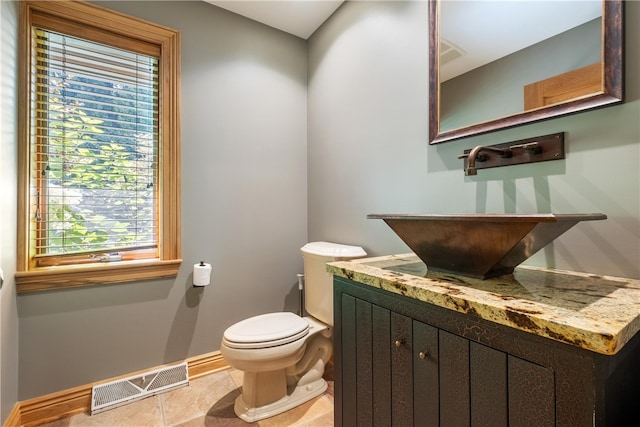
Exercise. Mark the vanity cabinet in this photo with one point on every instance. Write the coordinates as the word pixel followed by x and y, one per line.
pixel 402 362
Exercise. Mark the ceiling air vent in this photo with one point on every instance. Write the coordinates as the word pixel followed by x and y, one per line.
pixel 449 51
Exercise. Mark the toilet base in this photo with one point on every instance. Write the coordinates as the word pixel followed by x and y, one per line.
pixel 299 395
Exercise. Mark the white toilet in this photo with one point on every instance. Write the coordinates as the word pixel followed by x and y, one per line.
pixel 283 355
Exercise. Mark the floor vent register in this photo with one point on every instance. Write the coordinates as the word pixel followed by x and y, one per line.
pixel 121 392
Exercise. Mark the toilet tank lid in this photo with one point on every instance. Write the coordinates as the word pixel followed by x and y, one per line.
pixel 334 250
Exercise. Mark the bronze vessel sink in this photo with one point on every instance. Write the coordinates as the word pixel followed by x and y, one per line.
pixel 479 245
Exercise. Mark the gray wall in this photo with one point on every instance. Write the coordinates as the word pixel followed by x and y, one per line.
pixel 8 188
pixel 243 210
pixel 368 150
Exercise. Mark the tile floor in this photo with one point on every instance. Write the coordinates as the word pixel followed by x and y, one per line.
pixel 207 401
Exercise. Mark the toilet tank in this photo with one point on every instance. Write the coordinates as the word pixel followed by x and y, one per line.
pixel 318 284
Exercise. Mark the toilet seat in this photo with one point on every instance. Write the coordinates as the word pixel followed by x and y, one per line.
pixel 266 330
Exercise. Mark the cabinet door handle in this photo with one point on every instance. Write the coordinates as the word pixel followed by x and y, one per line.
pixel 423 355
pixel 399 343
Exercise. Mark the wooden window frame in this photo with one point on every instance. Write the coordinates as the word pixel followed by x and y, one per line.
pixel 101 24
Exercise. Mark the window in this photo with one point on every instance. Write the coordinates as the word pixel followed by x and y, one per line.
pixel 99 148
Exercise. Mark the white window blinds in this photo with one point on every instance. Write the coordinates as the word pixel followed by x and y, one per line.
pixel 94 133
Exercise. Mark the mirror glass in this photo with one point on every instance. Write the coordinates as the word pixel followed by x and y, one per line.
pixel 499 64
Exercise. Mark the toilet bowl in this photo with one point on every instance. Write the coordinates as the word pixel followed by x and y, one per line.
pixel 273 369
pixel 283 355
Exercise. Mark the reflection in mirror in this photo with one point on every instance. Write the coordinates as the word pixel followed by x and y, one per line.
pixel 490 70
pixel 505 59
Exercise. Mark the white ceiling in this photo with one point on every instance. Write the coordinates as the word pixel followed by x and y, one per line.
pixel 511 24
pixel 298 17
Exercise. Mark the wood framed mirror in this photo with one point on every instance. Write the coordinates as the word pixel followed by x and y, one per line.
pixel 534 82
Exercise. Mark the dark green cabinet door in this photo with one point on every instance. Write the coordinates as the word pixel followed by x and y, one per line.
pixel 366 366
pixel 401 371
pixel 426 400
pixel 377 365
pixel 376 391
pixel 531 394
pixel 381 372
pixel 346 390
pixel 454 380
pixel 488 386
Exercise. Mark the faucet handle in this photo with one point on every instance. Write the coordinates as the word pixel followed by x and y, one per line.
pixel 530 147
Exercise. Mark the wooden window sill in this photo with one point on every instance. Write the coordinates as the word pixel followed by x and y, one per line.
pixel 51 278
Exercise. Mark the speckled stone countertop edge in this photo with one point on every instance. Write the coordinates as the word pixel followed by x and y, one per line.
pixel 604 325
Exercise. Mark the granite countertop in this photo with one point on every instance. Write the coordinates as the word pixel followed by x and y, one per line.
pixel 597 313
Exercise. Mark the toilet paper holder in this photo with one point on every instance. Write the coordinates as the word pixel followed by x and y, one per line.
pixel 201 274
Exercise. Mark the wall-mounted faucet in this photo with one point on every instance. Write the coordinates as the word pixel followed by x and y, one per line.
pixel 476 154
pixel 530 150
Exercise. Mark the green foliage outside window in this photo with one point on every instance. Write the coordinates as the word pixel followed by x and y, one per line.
pixel 99 160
